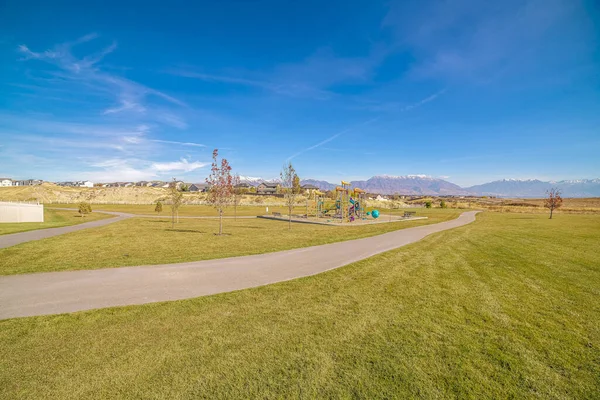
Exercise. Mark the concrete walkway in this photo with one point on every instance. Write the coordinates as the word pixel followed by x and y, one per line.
pixel 62 292
pixel 14 239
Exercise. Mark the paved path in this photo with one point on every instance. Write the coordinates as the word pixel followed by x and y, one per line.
pixel 61 292
pixel 14 239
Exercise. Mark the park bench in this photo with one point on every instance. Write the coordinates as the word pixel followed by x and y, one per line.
pixel 408 214
pixel 276 214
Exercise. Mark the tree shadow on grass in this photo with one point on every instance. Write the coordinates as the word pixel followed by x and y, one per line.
pixel 185 230
pixel 250 227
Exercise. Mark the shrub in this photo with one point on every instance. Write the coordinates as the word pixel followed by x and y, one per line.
pixel 158 207
pixel 84 208
pixel 443 204
pixel 427 204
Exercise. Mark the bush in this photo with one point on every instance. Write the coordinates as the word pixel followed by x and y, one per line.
pixel 443 204
pixel 159 207
pixel 84 208
pixel 427 204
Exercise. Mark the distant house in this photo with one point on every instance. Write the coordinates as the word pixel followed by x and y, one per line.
pixel 142 183
pixel 27 182
pixel 66 184
pixel 309 188
pixel 267 188
pixel 243 185
pixel 86 184
pixel 6 182
pixel 156 184
pixel 199 187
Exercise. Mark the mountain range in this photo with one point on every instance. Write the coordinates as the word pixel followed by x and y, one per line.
pixel 425 185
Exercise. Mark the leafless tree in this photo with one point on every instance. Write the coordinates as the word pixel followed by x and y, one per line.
pixel 220 194
pixel 237 195
pixel 176 198
pixel 553 200
pixel 289 183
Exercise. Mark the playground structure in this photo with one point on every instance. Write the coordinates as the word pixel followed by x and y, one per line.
pixel 350 205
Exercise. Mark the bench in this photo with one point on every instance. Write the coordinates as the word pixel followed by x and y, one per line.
pixel 408 214
pixel 276 214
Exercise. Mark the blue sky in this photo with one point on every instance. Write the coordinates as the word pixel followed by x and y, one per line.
pixel 470 91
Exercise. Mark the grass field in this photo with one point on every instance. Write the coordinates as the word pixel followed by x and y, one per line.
pixel 187 210
pixel 506 307
pixel 52 219
pixel 140 241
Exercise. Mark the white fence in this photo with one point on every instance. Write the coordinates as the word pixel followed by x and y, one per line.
pixel 21 212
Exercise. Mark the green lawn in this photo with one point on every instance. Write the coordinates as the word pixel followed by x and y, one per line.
pixel 507 307
pixel 52 219
pixel 188 210
pixel 202 210
pixel 140 241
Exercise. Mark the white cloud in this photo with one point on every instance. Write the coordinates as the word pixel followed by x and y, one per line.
pixel 181 165
pixel 122 169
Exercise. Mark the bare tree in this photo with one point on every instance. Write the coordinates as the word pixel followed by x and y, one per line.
pixel 220 194
pixel 553 200
pixel 288 187
pixel 237 195
pixel 176 198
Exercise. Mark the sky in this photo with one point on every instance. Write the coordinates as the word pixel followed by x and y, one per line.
pixel 464 90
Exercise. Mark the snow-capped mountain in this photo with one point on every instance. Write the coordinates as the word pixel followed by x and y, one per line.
pixel 538 188
pixel 428 185
pixel 322 185
pixel 410 185
pixel 255 181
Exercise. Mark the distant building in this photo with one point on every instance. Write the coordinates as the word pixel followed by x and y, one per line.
pixel 309 188
pixel 6 182
pixel 86 184
pixel 199 187
pixel 267 188
pixel 27 182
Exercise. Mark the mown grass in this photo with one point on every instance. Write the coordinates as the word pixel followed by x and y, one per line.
pixel 52 219
pixel 506 307
pixel 191 210
pixel 142 241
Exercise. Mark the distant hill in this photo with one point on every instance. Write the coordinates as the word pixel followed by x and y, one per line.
pixel 409 185
pixel 322 185
pixel 537 188
pixel 426 185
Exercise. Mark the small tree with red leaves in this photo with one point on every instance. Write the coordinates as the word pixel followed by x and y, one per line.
pixel 553 200
pixel 220 181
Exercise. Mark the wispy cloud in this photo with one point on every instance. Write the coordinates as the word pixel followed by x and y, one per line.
pixel 130 96
pixel 476 41
pixel 179 143
pixel 331 138
pixel 424 101
pixel 133 169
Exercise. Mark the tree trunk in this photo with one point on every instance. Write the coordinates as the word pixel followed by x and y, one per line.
pixel 220 222
pixel 551 209
pixel 289 217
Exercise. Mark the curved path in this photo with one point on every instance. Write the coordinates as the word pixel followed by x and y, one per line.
pixel 61 292
pixel 14 239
